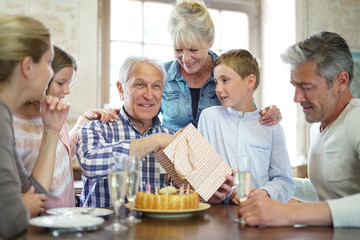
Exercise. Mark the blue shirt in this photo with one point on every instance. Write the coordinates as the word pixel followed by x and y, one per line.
pixel 176 98
pixel 98 143
pixel 235 135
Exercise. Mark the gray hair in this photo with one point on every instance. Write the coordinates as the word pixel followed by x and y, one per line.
pixel 189 23
pixel 128 67
pixel 328 50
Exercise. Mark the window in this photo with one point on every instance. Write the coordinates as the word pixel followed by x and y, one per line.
pixel 140 27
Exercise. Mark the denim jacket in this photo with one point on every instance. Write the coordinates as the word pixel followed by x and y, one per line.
pixel 176 99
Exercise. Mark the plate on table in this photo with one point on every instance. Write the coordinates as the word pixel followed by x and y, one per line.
pixel 171 214
pixel 74 221
pixel 98 212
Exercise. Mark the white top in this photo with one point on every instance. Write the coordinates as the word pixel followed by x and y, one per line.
pixel 28 137
pixel 234 135
pixel 334 167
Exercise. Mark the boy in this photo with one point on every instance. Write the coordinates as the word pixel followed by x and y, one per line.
pixel 235 132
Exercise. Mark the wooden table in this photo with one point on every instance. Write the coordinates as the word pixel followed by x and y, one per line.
pixel 214 223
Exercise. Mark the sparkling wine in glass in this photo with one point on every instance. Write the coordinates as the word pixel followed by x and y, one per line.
pixel 242 181
pixel 133 184
pixel 117 188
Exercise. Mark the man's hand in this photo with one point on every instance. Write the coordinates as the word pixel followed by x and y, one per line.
pixel 262 210
pixel 257 191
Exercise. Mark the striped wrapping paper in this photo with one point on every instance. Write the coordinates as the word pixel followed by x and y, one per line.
pixel 190 159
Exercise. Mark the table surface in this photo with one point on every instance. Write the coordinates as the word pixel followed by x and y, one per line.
pixel 214 223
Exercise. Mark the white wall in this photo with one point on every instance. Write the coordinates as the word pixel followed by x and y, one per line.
pixel 74 26
pixel 278 33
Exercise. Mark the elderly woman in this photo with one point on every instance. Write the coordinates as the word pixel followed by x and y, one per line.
pixel 190 86
pixel 26 53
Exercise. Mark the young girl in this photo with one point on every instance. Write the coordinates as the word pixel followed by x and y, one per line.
pixel 28 128
pixel 235 132
pixel 26 53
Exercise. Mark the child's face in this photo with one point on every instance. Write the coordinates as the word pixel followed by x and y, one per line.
pixel 60 85
pixel 231 89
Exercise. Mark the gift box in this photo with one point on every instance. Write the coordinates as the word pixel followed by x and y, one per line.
pixel 190 159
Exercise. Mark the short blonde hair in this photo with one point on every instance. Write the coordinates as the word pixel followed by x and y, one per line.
pixel 242 62
pixel 20 37
pixel 189 23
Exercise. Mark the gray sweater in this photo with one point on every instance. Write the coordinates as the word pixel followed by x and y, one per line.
pixel 14 180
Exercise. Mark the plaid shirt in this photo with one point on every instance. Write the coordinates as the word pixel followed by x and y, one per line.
pixel 97 144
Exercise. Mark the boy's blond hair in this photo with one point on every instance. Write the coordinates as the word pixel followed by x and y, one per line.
pixel 242 62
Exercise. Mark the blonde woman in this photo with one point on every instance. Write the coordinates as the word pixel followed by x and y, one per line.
pixel 26 53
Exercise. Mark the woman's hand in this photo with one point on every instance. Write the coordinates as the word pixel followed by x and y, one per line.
pixel 270 115
pixel 54 112
pixel 112 111
pixel 103 115
pixel 35 203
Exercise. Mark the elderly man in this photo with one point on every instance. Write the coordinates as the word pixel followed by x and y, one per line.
pixel 322 69
pixel 137 133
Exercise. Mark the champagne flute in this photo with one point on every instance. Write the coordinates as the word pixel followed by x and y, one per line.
pixel 242 181
pixel 117 188
pixel 133 184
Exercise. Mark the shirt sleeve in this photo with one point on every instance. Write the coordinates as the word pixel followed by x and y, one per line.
pixel 73 133
pixel 345 212
pixel 14 215
pixel 304 190
pixel 202 125
pixel 95 149
pixel 281 184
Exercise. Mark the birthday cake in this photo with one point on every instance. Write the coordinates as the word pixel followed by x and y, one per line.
pixel 168 198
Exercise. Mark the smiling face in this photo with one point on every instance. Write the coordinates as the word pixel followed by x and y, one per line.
pixel 142 94
pixel 194 59
pixel 232 90
pixel 317 99
pixel 60 84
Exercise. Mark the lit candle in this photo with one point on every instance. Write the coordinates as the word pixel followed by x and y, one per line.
pixel 148 189
pixel 187 189
pixel 156 189
pixel 181 189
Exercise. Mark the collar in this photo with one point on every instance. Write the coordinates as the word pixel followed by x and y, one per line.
pixel 246 116
pixel 122 114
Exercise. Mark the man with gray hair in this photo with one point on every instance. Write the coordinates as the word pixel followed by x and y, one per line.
pixel 321 72
pixel 138 132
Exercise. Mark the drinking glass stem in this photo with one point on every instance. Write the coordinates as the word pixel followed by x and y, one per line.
pixel 117 214
pixel 131 208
